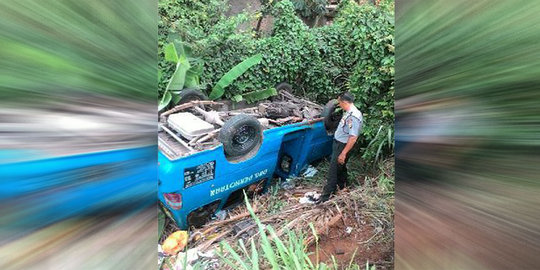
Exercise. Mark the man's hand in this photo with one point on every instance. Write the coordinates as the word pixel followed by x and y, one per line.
pixel 341 158
pixel 348 146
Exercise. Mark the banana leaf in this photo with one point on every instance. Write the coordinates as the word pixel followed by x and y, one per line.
pixel 233 74
pixel 179 77
pixel 193 74
pixel 164 100
pixel 170 53
pixel 259 95
pixel 237 98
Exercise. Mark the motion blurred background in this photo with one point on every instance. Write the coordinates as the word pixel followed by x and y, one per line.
pixel 77 129
pixel 467 135
pixel 78 134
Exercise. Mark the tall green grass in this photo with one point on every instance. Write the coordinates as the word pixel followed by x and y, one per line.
pixel 274 252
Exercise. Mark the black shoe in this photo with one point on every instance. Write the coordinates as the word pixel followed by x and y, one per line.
pixel 320 200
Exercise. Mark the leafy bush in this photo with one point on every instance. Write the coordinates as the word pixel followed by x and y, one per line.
pixel 310 8
pixel 184 20
pixel 370 45
pixel 355 53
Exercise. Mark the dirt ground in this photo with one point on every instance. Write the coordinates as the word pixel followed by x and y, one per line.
pixel 357 246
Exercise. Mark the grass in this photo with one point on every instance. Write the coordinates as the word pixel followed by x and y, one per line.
pixel 273 252
pixel 275 246
pixel 275 203
pixel 289 251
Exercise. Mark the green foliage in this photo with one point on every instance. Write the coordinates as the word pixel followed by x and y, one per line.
pixel 355 53
pixel 231 75
pixel 273 251
pixel 183 20
pixel 170 53
pixel 260 95
pixel 53 50
pixel 310 8
pixel 185 74
pixel 178 79
pixel 358 50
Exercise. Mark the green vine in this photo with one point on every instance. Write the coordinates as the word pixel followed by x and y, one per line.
pixel 355 53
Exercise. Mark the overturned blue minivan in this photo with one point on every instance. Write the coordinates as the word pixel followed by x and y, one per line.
pixel 210 155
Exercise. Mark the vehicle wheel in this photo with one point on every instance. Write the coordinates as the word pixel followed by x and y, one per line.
pixel 190 94
pixel 284 86
pixel 331 116
pixel 240 135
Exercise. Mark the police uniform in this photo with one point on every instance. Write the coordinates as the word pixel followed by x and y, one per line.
pixel 349 125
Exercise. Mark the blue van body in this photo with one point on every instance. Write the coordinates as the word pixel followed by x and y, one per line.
pixel 208 178
pixel 40 191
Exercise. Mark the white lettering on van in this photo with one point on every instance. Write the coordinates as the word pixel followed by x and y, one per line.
pixel 238 183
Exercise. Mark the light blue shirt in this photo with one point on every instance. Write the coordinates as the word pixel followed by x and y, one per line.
pixel 349 125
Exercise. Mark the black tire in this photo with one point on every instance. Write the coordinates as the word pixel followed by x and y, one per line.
pixel 284 86
pixel 241 135
pixel 190 94
pixel 329 107
pixel 331 116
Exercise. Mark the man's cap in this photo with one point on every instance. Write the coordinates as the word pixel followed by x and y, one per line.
pixel 346 96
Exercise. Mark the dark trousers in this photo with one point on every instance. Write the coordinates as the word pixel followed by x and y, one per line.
pixel 337 174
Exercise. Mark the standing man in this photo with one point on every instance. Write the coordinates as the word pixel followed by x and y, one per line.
pixel 344 139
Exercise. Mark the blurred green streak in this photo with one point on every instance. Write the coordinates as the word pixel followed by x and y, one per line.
pixel 468 126
pixel 481 55
pixel 53 48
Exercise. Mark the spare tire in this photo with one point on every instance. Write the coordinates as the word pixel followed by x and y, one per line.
pixel 241 135
pixel 284 86
pixel 331 116
pixel 281 86
pixel 191 94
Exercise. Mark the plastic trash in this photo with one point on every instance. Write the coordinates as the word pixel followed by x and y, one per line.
pixel 288 184
pixel 186 258
pixel 305 200
pixel 209 254
pixel 310 197
pixel 310 172
pixel 161 255
pixel 176 242
pixel 221 215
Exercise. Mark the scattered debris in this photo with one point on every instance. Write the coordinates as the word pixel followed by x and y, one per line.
pixel 245 228
pixel 310 172
pixel 288 183
pixel 161 255
pixel 176 242
pixel 310 197
pixel 184 260
pixel 221 214
pixel 209 254
pixel 356 224
pixel 304 200
pixel 296 214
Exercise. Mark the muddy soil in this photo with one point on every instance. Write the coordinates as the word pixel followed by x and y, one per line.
pixel 358 246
